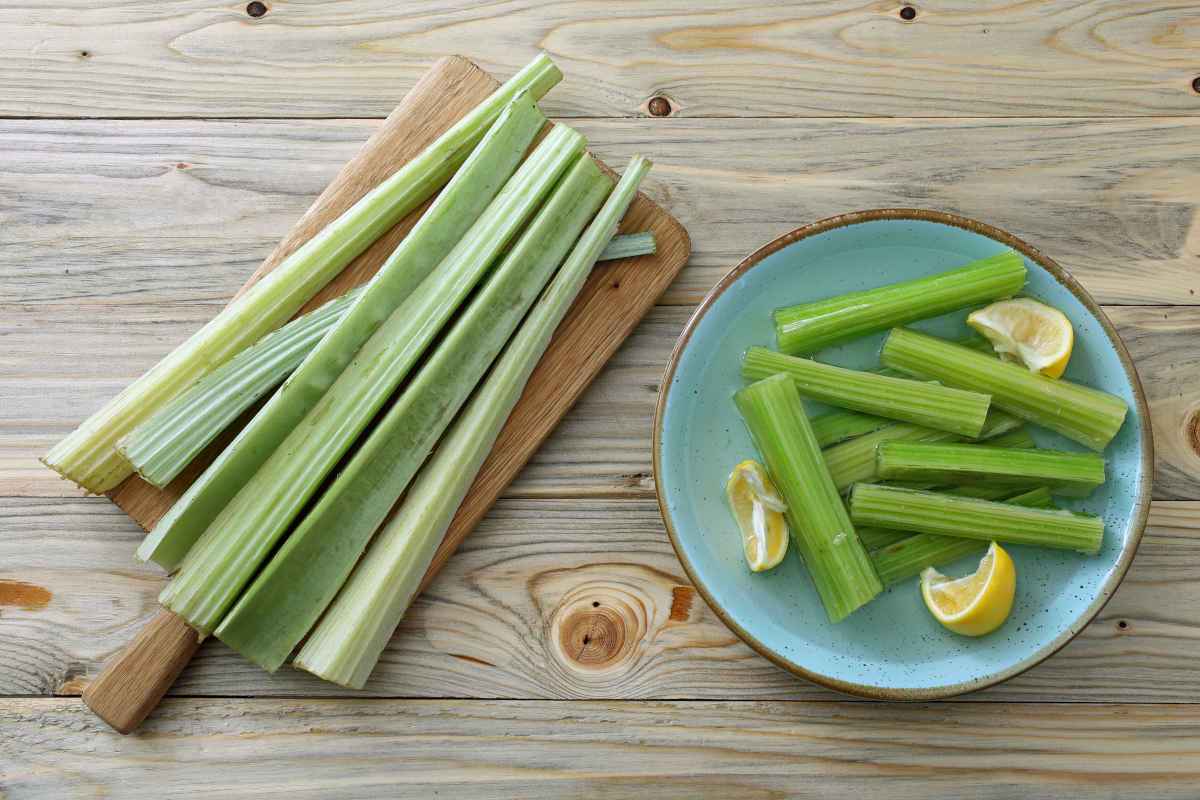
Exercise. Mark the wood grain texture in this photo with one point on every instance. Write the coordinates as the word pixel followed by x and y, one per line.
pixel 61 364
pixel 709 58
pixel 131 685
pixel 359 749
pixel 513 615
pixel 181 211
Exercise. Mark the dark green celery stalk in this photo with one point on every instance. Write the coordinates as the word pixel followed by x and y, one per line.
pixel 300 580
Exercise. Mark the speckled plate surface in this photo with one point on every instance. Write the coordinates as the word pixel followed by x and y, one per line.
pixel 892 648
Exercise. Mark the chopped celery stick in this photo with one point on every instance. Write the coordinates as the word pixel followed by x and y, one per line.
pixel 968 518
pixel 854 461
pixel 906 558
pixel 296 585
pixel 346 643
pixel 438 231
pixel 838 426
pixel 1019 437
pixel 806 328
pixel 1069 474
pixel 1082 414
pixel 163 445
pixel 88 455
pixel 236 543
pixel 876 538
pixel 917 402
pixel 629 245
pixel 821 529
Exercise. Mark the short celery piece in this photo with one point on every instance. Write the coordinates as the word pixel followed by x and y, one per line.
pixel 431 240
pixel 346 643
pixel 906 558
pixel 630 245
pixel 968 518
pixel 1082 414
pixel 838 426
pixel 1018 438
pixel 821 529
pixel 88 456
pixel 806 328
pixel 854 461
pixel 875 538
pixel 1067 474
pixel 285 599
pixel 163 445
pixel 236 543
pixel 920 403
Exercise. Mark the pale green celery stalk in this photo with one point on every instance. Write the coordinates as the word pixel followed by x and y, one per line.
pixel 438 231
pixel 1082 414
pixel 838 426
pixel 906 558
pixel 629 245
pixel 346 643
pixel 968 518
pixel 287 597
pixel 875 538
pixel 821 529
pixel 806 328
pixel 88 455
pixel 236 543
pixel 1068 474
pixel 163 445
pixel 854 461
pixel 917 402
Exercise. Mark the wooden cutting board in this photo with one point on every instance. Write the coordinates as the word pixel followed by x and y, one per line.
pixel 615 298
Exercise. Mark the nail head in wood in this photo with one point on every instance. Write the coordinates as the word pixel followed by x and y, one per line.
pixel 1196 84
pixel 908 13
pixel 256 9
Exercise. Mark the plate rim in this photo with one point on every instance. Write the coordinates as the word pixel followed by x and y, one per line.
pixel 1138 518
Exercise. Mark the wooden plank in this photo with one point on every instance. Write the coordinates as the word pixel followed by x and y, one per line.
pixel 181 211
pixel 508 615
pixel 360 748
pixel 710 58
pixel 59 365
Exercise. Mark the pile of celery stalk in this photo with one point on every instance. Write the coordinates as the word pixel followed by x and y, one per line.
pixel 396 390
pixel 931 449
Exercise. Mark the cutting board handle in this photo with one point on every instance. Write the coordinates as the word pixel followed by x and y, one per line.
pixel 133 683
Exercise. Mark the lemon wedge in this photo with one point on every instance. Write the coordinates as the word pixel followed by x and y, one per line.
pixel 758 509
pixel 975 604
pixel 1037 335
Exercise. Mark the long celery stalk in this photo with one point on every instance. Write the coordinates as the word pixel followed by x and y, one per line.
pixel 854 461
pixel 1085 415
pixel 163 445
pixel 821 529
pixel 346 643
pixel 243 535
pixel 629 245
pixel 920 403
pixel 969 518
pixel 88 456
pixel 907 557
pixel 806 328
pixel 438 231
pixel 283 602
pixel 876 538
pixel 1069 474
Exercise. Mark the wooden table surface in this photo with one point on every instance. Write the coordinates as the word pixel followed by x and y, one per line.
pixel 151 153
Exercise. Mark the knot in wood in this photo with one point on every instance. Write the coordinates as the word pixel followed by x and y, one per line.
pixel 1191 430
pixel 597 628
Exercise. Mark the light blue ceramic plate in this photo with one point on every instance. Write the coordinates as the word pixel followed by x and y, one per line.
pixel 892 648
